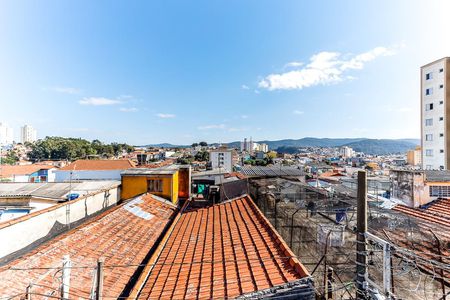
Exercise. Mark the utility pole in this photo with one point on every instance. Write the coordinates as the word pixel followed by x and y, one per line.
pixel 361 229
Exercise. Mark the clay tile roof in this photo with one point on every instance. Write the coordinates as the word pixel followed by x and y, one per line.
pixel 9 170
pixel 123 236
pixel 100 165
pixel 218 252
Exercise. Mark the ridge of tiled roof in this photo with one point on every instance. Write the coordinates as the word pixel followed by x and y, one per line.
pixel 221 251
pixel 99 165
pixel 123 236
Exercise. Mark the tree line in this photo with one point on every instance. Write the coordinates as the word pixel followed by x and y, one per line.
pixel 60 148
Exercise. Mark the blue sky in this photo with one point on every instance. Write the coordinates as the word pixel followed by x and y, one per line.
pixel 184 71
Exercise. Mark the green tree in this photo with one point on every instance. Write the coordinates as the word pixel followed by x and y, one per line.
pixel 203 144
pixel 11 158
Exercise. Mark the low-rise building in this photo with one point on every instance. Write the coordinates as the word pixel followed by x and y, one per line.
pixel 222 158
pixel 27 173
pixel 84 169
pixel 414 157
pixel 171 182
pixel 419 187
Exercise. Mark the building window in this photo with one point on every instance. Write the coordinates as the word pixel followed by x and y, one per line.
pixel 428 137
pixel 429 152
pixel 429 76
pixel 440 191
pixel 429 106
pixel 441 86
pixel 428 122
pixel 441 102
pixel 429 91
pixel 441 118
pixel 155 185
pixel 441 151
pixel 441 70
pixel 441 135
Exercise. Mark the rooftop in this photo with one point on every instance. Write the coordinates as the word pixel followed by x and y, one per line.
pixel 165 170
pixel 271 171
pixel 11 170
pixel 99 165
pixel 53 190
pixel 221 251
pixel 123 236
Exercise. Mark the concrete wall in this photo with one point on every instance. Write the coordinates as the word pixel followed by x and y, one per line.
pixel 21 234
pixel 62 175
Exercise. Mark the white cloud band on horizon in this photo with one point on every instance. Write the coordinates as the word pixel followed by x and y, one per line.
pixel 165 116
pixel 324 68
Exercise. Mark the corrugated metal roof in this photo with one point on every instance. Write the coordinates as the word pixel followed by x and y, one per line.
pixel 53 190
pixel 435 175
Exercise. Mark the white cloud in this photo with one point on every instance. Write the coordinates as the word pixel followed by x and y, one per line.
pixel 165 116
pixel 65 90
pixel 298 112
pixel 244 117
pixel 128 109
pixel 293 64
pixel 98 101
pixel 324 68
pixel 213 126
pixel 245 87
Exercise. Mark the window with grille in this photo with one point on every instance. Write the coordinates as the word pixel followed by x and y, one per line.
pixel 440 191
pixel 155 185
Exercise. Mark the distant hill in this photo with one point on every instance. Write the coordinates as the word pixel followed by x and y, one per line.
pixel 383 146
pixel 368 146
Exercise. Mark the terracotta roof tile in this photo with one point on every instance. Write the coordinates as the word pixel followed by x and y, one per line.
pixel 102 164
pixel 221 251
pixel 122 236
pixel 9 170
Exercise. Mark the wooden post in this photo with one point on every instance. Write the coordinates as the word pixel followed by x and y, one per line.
pixel 99 279
pixel 361 229
pixel 65 282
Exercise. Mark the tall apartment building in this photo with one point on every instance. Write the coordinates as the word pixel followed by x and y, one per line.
pixel 6 134
pixel 435 114
pixel 221 159
pixel 28 134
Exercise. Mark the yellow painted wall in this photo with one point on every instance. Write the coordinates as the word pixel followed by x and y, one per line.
pixel 133 186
